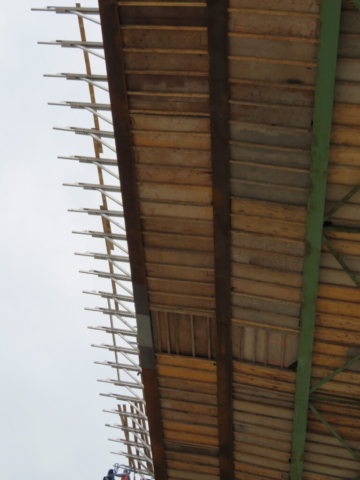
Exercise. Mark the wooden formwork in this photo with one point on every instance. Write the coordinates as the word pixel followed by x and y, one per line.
pixel 170 114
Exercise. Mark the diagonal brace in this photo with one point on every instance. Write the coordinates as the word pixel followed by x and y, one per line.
pixel 335 372
pixel 345 199
pixel 341 262
pixel 334 432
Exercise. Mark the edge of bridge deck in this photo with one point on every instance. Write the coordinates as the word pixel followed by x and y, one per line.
pixel 114 57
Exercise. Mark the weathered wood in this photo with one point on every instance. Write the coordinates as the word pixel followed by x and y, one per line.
pixel 269 210
pixel 173 156
pixel 152 82
pixel 157 36
pixel 267 243
pixel 163 15
pixel 245 21
pixel 247 68
pixel 280 6
pixel 175 209
pixel 175 193
pixel 173 175
pixel 180 273
pixel 181 242
pixel 268 192
pixel 176 225
pixel 260 274
pixel 180 258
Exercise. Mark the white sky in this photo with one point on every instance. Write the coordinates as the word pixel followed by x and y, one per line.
pixel 51 420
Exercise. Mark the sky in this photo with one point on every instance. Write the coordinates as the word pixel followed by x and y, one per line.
pixel 51 420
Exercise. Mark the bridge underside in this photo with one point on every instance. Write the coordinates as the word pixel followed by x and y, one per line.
pixel 237 129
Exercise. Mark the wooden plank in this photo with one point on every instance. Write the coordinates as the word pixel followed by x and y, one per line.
pixel 288 25
pixel 173 175
pixel 163 15
pixel 175 193
pixel 286 213
pixel 275 175
pixel 180 286
pixel 265 289
pixel 157 37
pixel 180 273
pixel 152 82
pixel 271 136
pixel 270 93
pixel 268 192
pixel 185 475
pixel 177 210
pixel 173 156
pixel 188 466
pixel 247 68
pixel 275 458
pixel 247 314
pixel 267 113
pixel 144 138
pixel 260 274
pixel 176 225
pixel 186 396
pixel 266 259
pixel 179 258
pixel 267 243
pixel 272 47
pixel 182 303
pixel 181 242
pixel 187 362
pixel 114 57
pixel 281 6
pixel 191 458
pixel 169 123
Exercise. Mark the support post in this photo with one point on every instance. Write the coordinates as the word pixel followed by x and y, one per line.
pixel 324 97
pixel 114 57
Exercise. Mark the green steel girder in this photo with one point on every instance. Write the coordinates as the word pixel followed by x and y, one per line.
pixel 322 121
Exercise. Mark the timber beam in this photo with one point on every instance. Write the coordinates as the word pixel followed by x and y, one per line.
pixel 114 57
pixel 217 17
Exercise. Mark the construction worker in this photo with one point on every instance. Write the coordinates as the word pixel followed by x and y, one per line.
pixel 125 474
pixel 110 475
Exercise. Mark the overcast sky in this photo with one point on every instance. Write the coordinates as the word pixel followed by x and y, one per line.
pixel 52 425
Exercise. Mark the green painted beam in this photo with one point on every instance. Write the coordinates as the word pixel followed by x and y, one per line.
pixel 324 97
pixel 357 3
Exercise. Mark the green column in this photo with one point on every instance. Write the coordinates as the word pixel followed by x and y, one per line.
pixel 324 97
